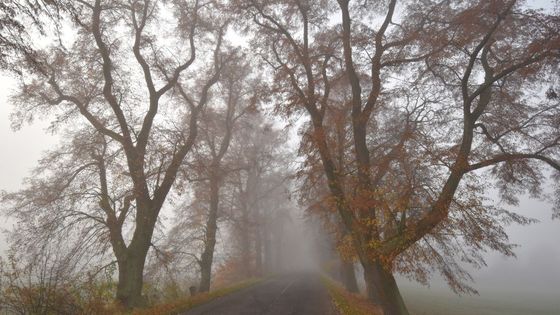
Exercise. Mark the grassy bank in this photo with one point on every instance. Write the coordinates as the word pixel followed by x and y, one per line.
pixel 349 303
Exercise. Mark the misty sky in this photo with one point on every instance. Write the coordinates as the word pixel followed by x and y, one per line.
pixel 536 269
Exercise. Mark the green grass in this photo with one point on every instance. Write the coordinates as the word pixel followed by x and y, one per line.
pixel 431 302
pixel 187 303
pixel 424 301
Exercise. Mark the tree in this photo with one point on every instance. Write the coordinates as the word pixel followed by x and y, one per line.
pixel 60 201
pixel 54 278
pixel 421 84
pixel 239 95
pixel 313 192
pixel 14 35
pixel 122 90
pixel 247 196
pixel 243 97
pixel 259 193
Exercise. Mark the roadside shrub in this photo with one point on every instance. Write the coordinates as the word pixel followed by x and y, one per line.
pixel 45 286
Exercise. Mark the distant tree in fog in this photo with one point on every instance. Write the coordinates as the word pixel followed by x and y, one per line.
pixel 211 164
pixel 260 196
pixel 250 194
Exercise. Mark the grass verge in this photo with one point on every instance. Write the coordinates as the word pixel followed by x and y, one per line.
pixel 349 303
pixel 185 304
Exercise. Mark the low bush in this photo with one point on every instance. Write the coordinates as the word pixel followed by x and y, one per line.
pixel 348 303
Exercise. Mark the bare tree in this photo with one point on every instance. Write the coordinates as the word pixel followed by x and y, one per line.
pixel 260 181
pixel 421 84
pixel 238 96
pixel 117 76
pixel 18 19
pixel 246 195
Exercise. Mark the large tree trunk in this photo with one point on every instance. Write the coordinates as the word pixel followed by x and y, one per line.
pixel 348 276
pixel 382 289
pixel 131 265
pixel 131 259
pixel 211 229
pixel 129 288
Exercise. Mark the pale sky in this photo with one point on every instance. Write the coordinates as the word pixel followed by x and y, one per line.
pixel 19 150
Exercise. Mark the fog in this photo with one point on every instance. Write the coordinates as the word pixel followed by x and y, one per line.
pixel 532 277
pixel 152 151
pixel 533 273
pixel 20 150
pixel 522 285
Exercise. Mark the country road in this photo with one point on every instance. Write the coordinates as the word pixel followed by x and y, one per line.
pixel 294 294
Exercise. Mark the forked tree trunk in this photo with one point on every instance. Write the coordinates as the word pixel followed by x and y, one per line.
pixel 131 267
pixel 131 259
pixel 129 288
pixel 382 289
pixel 348 275
pixel 211 229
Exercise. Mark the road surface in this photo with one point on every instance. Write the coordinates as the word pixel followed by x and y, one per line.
pixel 294 294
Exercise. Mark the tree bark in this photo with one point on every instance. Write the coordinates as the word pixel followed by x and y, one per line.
pixel 131 259
pixel 267 243
pixel 382 289
pixel 348 275
pixel 211 229
pixel 129 288
pixel 245 241
pixel 258 249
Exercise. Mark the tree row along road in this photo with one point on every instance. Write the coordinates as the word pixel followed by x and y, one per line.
pixel 294 294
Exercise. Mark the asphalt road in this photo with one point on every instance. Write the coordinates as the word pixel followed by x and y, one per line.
pixel 292 294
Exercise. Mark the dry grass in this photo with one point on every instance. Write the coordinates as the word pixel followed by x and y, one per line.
pixel 349 303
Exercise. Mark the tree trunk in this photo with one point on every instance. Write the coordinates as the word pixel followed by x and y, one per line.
pixel 211 229
pixel 129 288
pixel 278 249
pixel 267 249
pixel 382 289
pixel 131 259
pixel 348 276
pixel 245 243
pixel 258 250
